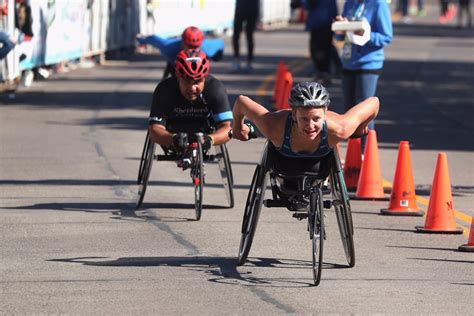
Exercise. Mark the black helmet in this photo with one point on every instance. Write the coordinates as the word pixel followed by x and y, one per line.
pixel 309 94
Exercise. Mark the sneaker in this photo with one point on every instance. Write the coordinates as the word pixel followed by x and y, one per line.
pixel 87 63
pixel 28 78
pixel 406 20
pixel 422 12
pixel 412 10
pixel 43 72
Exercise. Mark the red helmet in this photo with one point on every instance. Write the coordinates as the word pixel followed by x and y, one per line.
pixel 192 63
pixel 192 37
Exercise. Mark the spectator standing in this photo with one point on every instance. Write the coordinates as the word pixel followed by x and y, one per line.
pixel 417 7
pixel 321 14
pixel 403 6
pixel 448 11
pixel 248 12
pixel 362 65
pixel 465 9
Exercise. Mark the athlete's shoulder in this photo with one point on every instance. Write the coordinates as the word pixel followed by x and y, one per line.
pixel 169 82
pixel 167 87
pixel 213 86
pixel 212 81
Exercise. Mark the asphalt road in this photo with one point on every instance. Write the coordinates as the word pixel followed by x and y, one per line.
pixel 72 242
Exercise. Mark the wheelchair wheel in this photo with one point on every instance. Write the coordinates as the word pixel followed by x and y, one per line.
pixel 142 159
pixel 316 222
pixel 226 173
pixel 343 210
pixel 145 169
pixel 197 175
pixel 226 156
pixel 252 212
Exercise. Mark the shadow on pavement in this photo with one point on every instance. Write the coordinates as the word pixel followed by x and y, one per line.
pixel 386 229
pixel 220 269
pixel 111 182
pixel 423 248
pixel 125 209
pixel 444 260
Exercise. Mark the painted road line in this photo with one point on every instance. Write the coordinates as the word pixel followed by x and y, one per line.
pixel 261 91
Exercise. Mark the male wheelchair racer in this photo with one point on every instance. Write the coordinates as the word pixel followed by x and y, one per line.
pixel 191 156
pixel 303 193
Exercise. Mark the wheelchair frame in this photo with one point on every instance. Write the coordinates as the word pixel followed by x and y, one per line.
pixel 193 158
pixel 314 211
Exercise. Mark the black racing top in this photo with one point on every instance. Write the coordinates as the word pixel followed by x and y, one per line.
pixel 171 109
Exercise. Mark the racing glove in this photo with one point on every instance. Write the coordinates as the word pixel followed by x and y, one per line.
pixel 207 142
pixel 180 141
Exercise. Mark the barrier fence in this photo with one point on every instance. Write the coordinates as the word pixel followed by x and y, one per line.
pixel 73 29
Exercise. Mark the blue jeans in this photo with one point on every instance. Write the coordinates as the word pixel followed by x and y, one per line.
pixel 357 87
pixel 7 44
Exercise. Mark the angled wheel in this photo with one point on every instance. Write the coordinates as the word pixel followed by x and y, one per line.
pixel 226 156
pixel 343 210
pixel 142 159
pixel 197 175
pixel 226 173
pixel 146 163
pixel 316 221
pixel 252 212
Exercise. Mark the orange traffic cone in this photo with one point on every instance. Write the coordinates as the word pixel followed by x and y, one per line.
pixel 287 85
pixel 469 247
pixel 353 163
pixel 279 80
pixel 369 186
pixel 440 216
pixel 403 197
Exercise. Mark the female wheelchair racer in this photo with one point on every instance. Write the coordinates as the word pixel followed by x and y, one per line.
pixel 298 157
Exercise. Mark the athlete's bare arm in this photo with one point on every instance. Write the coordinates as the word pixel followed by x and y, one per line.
pixel 270 124
pixel 221 135
pixel 160 135
pixel 354 121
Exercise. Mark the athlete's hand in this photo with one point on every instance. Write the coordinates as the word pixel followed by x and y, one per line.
pixel 360 132
pixel 207 142
pixel 243 132
pixel 180 141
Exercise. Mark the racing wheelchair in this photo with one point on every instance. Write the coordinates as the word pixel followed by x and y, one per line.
pixel 192 157
pixel 302 193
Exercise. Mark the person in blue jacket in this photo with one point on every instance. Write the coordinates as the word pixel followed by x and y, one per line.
pixel 362 65
pixel 191 38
